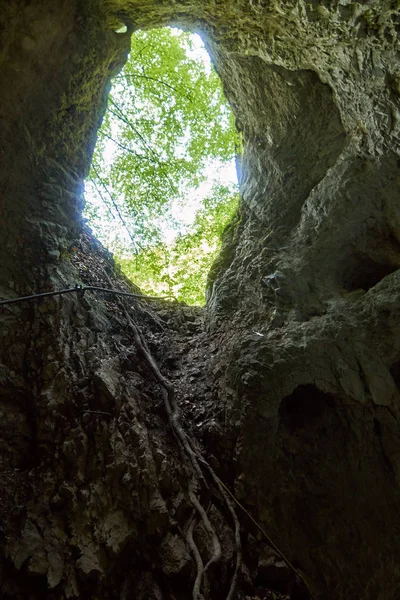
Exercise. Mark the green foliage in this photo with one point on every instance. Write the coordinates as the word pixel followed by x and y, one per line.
pixel 167 118
pixel 180 269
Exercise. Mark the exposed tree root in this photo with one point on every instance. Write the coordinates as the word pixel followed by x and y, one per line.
pixel 197 557
pixel 196 459
pixel 238 541
pixel 172 410
pixel 210 530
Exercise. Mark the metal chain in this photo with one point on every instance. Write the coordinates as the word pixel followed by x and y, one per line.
pixel 81 289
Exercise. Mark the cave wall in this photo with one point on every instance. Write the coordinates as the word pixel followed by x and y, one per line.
pixel 309 273
pixel 317 100
pixel 56 63
pixel 303 302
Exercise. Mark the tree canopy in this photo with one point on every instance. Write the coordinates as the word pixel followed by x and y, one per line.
pixel 167 134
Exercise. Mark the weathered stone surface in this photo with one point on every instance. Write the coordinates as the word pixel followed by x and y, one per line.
pixel 297 405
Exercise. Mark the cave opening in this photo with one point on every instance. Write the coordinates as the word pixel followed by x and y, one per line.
pixel 163 181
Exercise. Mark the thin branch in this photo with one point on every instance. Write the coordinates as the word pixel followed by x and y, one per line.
pixel 142 49
pixel 183 165
pixel 125 120
pixel 142 157
pixel 122 146
pixel 122 117
pixel 135 244
pixel 187 94
pixel 102 197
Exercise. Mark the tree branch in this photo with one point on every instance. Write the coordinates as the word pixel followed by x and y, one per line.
pixel 125 120
pixel 102 197
pixel 187 95
pixel 105 186
pixel 140 156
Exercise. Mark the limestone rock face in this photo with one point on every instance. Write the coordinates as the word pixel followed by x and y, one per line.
pixel 298 403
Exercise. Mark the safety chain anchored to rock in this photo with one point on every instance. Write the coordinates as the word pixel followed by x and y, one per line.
pixel 79 289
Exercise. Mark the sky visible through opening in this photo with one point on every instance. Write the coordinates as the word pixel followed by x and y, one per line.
pixel 163 183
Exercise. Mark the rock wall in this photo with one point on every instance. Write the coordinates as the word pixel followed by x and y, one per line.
pixel 300 359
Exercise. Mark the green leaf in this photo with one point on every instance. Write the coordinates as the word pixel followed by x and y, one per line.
pixel 167 119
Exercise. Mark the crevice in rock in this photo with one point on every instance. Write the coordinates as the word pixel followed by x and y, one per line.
pixel 305 407
pixel 395 373
pixel 362 272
